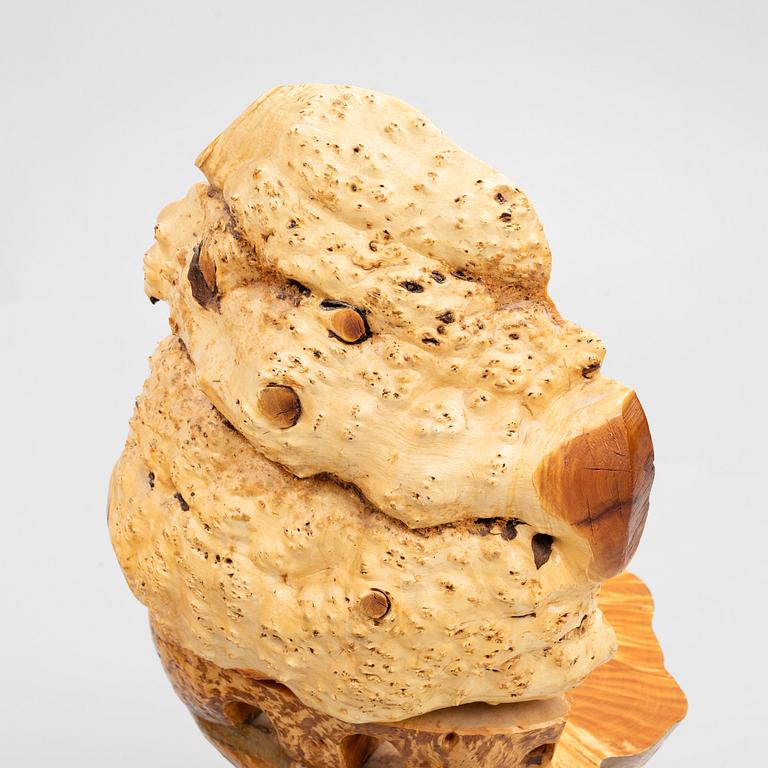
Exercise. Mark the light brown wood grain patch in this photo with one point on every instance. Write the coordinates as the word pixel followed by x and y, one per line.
pixel 600 483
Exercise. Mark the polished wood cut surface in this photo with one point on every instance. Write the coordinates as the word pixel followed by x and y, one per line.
pixel 625 709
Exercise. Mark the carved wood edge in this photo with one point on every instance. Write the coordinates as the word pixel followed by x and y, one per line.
pixel 618 717
pixel 622 713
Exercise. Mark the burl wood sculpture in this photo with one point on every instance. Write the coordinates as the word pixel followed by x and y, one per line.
pixel 376 494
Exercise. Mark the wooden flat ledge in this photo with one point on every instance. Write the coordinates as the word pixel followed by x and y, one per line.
pixel 623 711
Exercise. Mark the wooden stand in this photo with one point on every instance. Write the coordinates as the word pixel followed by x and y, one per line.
pixel 623 711
pixel 618 717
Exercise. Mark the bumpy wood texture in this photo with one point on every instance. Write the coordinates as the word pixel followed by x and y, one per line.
pixel 253 568
pixel 373 463
pixel 228 704
pixel 618 718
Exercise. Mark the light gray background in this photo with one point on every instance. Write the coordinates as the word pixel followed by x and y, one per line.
pixel 637 129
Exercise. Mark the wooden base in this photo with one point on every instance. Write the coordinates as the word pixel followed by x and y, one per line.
pixel 623 711
pixel 618 717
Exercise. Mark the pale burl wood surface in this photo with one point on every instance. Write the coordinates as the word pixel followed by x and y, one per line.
pixel 250 567
pixel 375 480
pixel 373 461
pixel 618 717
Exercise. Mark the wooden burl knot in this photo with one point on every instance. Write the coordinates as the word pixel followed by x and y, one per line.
pixel 202 278
pixel 280 404
pixel 375 604
pixel 349 325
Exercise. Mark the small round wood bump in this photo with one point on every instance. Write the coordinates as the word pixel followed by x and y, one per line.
pixel 375 604
pixel 280 404
pixel 349 325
